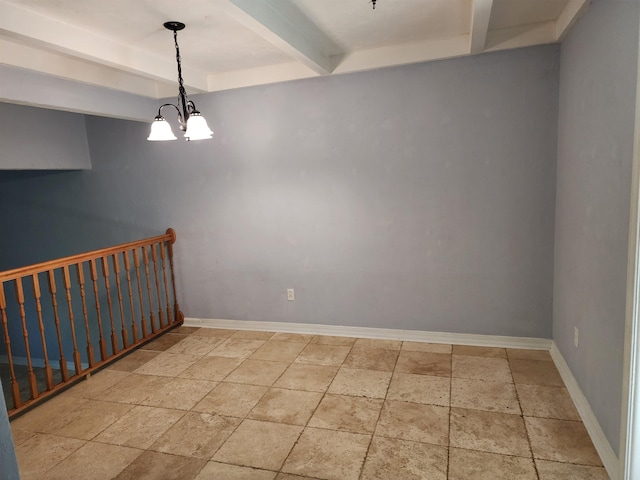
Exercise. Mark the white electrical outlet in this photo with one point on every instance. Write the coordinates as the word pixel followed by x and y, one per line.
pixel 291 296
pixel 576 337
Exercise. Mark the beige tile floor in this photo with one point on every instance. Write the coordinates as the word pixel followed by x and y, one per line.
pixel 231 405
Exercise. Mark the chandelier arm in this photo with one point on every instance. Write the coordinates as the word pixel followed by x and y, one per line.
pixel 180 119
pixel 191 107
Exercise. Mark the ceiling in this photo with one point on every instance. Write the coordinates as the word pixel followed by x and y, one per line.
pixel 121 44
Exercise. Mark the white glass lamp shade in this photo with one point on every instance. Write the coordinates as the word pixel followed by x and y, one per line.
pixel 197 128
pixel 160 130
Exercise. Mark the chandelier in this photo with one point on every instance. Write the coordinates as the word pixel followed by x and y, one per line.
pixel 192 123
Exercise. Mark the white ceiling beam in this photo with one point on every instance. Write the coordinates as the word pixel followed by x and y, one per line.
pixel 521 36
pixel 39 31
pixel 285 27
pixel 59 65
pixel 569 16
pixel 480 17
pixel 26 87
pixel 403 54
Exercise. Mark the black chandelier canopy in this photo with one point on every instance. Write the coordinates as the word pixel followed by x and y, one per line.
pixel 192 123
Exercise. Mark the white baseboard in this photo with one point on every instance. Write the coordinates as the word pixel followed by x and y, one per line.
pixel 381 333
pixel 607 455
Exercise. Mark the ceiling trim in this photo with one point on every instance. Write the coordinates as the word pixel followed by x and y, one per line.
pixel 521 36
pixel 405 53
pixel 47 33
pixel 572 11
pixel 59 65
pixel 259 76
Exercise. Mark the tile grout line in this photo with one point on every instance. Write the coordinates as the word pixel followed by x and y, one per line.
pixel 450 405
pixel 384 400
pixel 290 363
pixel 220 341
pixel 94 438
pixel 210 459
pixel 324 394
pixel 248 413
pixel 265 393
pixel 184 413
pixel 66 457
pixel 526 430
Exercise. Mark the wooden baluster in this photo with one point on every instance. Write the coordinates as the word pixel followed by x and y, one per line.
pixel 105 274
pixel 164 276
pixel 176 307
pixel 77 362
pixel 80 275
pixel 94 279
pixel 54 303
pixel 33 383
pixel 136 262
pixel 116 271
pixel 47 366
pixel 145 259
pixel 15 387
pixel 127 267
pixel 154 258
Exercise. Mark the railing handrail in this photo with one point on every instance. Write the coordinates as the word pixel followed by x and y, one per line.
pixel 37 331
pixel 19 272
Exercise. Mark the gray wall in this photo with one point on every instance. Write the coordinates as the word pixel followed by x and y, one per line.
pixel 419 197
pixel 598 73
pixel 8 463
pixel 40 139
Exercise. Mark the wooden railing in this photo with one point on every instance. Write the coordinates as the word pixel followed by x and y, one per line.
pixel 64 318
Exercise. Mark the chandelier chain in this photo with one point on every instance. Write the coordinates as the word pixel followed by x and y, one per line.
pixel 180 81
